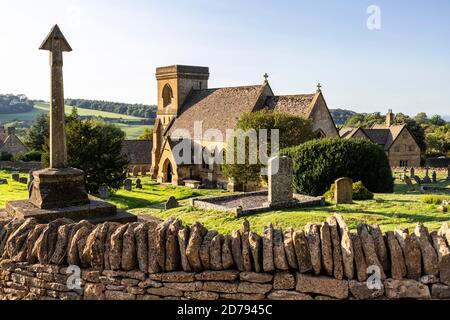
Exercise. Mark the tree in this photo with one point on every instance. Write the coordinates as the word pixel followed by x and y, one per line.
pixel 414 127
pixel 437 120
pixel 95 147
pixel 421 118
pixel 147 134
pixel 38 132
pixel 293 131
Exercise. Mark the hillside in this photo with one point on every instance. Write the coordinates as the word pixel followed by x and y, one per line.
pixel 340 116
pixel 10 103
pixel 138 110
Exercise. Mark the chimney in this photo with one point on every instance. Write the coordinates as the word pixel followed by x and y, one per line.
pixel 389 118
pixel 11 131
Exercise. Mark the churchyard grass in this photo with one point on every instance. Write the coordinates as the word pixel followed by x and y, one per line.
pixel 400 209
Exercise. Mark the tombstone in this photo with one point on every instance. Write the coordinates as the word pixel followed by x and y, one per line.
pixel 136 171
pixel 138 184
pixel 15 176
pixel 3 181
pixel 103 192
pixel 409 183
pixel 426 179
pixel 434 177
pixel 343 191
pixel 279 181
pixel 403 174
pixel 127 184
pixel 171 203
pixel 23 180
pixel 143 171
pixel 412 173
pixel 418 181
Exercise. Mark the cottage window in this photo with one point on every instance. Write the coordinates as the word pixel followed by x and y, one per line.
pixel 403 163
pixel 397 149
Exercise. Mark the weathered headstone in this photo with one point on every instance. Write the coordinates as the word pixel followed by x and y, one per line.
pixel 3 181
pixel 426 179
pixel 136 171
pixel 144 170
pixel 23 180
pixel 15 176
pixel 434 177
pixel 412 173
pixel 343 191
pixel 138 184
pixel 103 192
pixel 127 184
pixel 171 203
pixel 279 180
pixel 409 183
pixel 403 174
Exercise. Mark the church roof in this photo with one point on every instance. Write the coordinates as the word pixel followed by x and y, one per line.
pixel 217 108
pixel 299 105
pixel 138 151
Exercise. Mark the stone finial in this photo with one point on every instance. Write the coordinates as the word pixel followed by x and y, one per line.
pixel 266 76
pixel 319 87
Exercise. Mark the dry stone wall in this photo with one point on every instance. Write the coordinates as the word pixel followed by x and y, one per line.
pixel 169 260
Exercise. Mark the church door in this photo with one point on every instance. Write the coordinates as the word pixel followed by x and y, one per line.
pixel 169 173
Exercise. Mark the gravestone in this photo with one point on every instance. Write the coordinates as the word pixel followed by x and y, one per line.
pixel 23 180
pixel 138 184
pixel 15 176
pixel 343 191
pixel 434 177
pixel 426 179
pixel 103 192
pixel 403 174
pixel 412 173
pixel 279 181
pixel 144 171
pixel 171 203
pixel 127 184
pixel 3 181
pixel 418 181
pixel 409 183
pixel 136 171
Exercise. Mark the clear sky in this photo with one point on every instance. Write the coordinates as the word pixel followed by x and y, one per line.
pixel 118 44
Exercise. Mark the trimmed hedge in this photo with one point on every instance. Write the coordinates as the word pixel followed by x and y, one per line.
pixel 318 163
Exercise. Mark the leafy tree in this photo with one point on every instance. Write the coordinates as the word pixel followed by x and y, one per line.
pixel 38 132
pixel 147 134
pixel 421 118
pixel 95 147
pixel 293 131
pixel 437 120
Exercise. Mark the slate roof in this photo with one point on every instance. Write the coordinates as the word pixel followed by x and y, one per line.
pixel 379 134
pixel 299 105
pixel 138 151
pixel 218 108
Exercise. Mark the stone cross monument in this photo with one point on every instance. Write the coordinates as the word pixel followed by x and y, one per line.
pixel 59 191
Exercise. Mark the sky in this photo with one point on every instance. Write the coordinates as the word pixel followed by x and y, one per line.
pixel 403 64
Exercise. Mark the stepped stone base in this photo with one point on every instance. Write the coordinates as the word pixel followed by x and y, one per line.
pixel 57 188
pixel 95 211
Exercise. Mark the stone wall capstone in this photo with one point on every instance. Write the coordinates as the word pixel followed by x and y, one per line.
pixel 168 260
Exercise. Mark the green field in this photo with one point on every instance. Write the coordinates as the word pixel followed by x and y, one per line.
pixel 132 131
pixel 400 209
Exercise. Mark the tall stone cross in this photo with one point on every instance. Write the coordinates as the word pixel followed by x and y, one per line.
pixel 56 43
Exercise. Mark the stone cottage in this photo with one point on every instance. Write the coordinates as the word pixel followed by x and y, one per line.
pixel 396 140
pixel 185 98
pixel 10 143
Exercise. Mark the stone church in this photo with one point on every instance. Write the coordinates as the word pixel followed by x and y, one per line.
pixel 396 140
pixel 184 98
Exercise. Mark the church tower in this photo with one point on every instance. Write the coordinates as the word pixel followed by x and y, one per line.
pixel 174 84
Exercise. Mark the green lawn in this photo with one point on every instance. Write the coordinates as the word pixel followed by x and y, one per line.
pixel 400 209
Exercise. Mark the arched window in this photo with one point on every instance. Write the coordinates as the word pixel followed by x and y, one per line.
pixel 167 95
pixel 320 134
